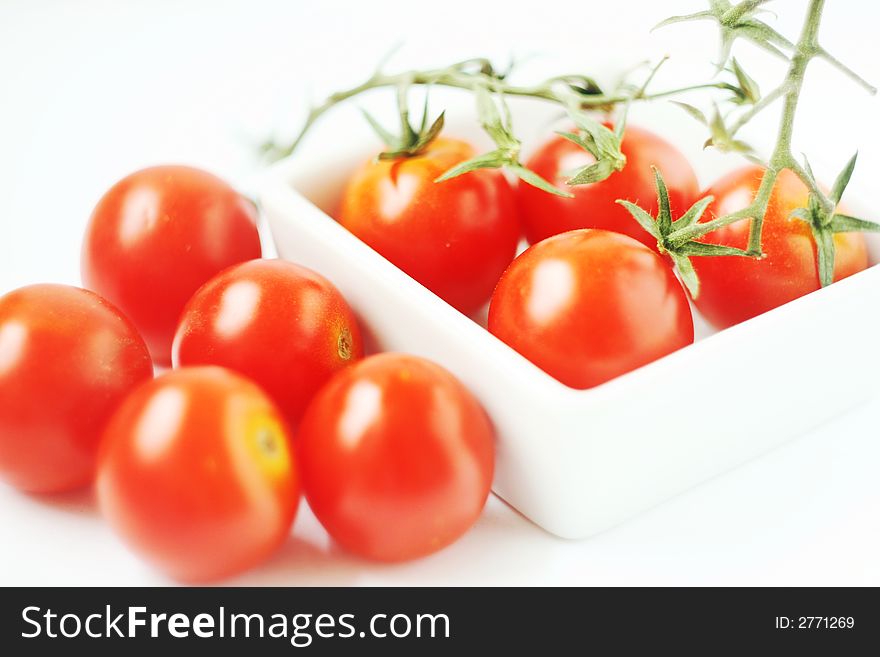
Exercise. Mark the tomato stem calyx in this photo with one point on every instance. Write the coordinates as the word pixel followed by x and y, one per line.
pixel 411 141
pixel 669 234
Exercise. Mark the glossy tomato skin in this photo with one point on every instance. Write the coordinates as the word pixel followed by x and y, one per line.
pixel 593 205
pixel 589 305
pixel 156 236
pixel 397 457
pixel 454 237
pixel 284 326
pixel 197 474
pixel 734 289
pixel 67 359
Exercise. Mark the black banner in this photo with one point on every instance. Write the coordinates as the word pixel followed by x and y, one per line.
pixel 423 621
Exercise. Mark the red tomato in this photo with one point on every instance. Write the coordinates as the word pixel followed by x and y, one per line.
pixel 396 457
pixel 197 474
pixel 156 236
pixel 588 305
pixel 454 237
pixel 67 359
pixel 733 289
pixel 282 325
pixel 593 205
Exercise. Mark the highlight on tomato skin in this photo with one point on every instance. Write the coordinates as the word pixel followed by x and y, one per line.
pixel 67 359
pixel 594 205
pixel 197 474
pixel 156 236
pixel 397 457
pixel 282 325
pixel 733 290
pixel 454 237
pixel 589 305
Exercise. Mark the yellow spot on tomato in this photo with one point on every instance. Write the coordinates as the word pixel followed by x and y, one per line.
pixel 266 440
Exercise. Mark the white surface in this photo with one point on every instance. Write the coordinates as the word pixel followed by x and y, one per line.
pixel 95 89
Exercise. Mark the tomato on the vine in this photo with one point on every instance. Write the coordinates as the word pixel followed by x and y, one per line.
pixel 156 236
pixel 67 359
pixel 396 457
pixel 197 473
pixel 284 326
pixel 734 289
pixel 588 305
pixel 454 237
pixel 593 205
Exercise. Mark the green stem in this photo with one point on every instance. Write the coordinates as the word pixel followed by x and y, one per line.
pixel 847 71
pixel 758 107
pixel 553 90
pixel 806 49
pixel 674 92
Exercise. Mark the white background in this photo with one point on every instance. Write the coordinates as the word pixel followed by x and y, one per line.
pixel 92 90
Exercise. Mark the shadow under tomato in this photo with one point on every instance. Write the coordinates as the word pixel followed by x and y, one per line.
pixel 302 563
pixel 78 502
pixel 514 542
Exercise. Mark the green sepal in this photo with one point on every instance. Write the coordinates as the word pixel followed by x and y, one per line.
pixel 720 136
pixel 824 253
pixel 693 214
pixel 602 143
pixel 671 234
pixel 591 173
pixel 842 223
pixel 410 142
pixel 533 179
pixel 824 225
pixel 700 15
pixel 843 180
pixel 695 112
pixel 387 137
pixel 491 160
pixel 687 274
pixel 620 124
pixel 424 138
pixel 645 220
pixel 764 36
pixel 704 249
pixel 580 84
pixel 664 213
pixel 492 122
pixel 803 214
pixel 748 91
pixel 607 143
pixel 498 127
pixel 587 144
pixel 497 159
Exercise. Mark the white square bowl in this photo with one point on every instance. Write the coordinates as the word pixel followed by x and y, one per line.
pixel 577 462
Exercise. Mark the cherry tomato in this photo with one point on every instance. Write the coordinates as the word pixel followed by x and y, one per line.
pixel 588 305
pixel 593 205
pixel 396 457
pixel 197 474
pixel 454 237
pixel 282 325
pixel 156 236
pixel 67 359
pixel 733 289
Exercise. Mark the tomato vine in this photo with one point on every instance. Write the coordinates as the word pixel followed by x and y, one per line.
pixel 579 95
pixel 739 21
